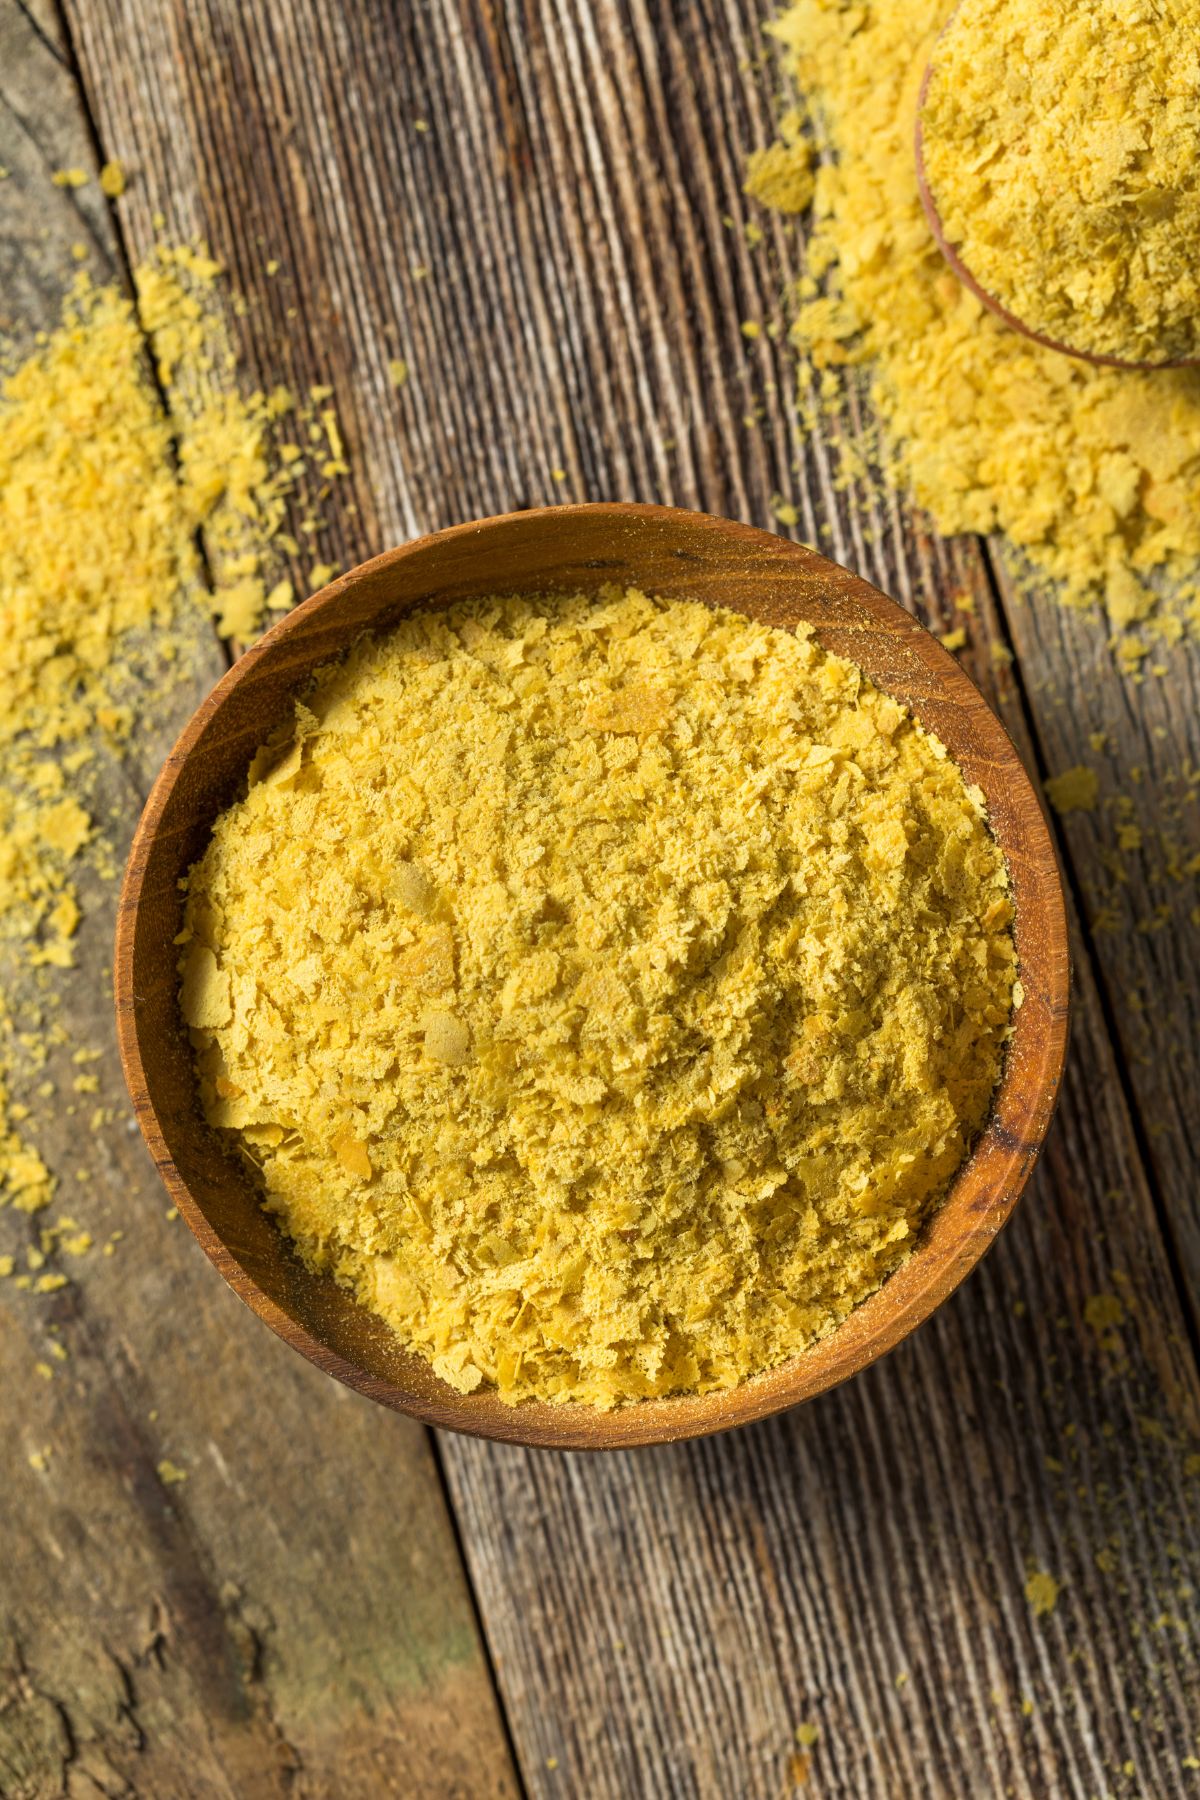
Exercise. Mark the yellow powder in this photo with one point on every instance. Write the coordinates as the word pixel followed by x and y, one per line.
pixel 1041 1591
pixel 1060 148
pixel 102 493
pixel 605 991
pixel 234 474
pixel 1104 1312
pixel 1093 473
pixel 112 180
pixel 97 542
pixel 782 175
pixel 25 1181
pixel 1075 790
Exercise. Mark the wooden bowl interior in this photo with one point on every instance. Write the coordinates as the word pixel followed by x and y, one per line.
pixel 680 555
pixel 952 255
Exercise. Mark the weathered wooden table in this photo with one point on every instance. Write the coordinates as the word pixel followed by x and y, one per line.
pixel 334 1603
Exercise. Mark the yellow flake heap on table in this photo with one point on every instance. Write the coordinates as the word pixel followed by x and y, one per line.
pixel 1093 473
pixel 25 1181
pixel 98 526
pixel 605 990
pixel 102 493
pixel 1060 148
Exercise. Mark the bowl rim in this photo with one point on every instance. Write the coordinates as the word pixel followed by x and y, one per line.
pixel 877 1325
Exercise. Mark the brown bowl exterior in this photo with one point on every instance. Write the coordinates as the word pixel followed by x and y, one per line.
pixel 567 549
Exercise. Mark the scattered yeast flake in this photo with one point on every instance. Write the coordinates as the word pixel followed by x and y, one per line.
pixel 1042 1591
pixel 112 180
pixel 102 493
pixel 1104 1312
pixel 1075 790
pixel 781 175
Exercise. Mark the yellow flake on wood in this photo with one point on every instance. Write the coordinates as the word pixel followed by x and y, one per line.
pixel 1075 790
pixel 1041 1591
pixel 781 175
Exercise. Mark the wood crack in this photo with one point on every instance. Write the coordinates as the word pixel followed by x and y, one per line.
pixel 23 1732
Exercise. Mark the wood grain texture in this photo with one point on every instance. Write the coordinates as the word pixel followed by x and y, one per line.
pixel 663 1622
pixel 291 1617
pixel 41 130
pixel 1137 864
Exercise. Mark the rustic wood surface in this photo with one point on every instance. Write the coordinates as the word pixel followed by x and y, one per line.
pixel 292 1616
pixel 559 256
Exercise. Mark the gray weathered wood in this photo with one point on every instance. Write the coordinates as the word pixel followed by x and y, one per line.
pixel 663 1622
pixel 291 1617
pixel 1137 861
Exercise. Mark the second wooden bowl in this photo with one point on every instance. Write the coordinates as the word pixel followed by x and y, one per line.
pixel 567 549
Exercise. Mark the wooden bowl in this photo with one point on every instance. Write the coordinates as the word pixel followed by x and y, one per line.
pixel 951 253
pixel 569 548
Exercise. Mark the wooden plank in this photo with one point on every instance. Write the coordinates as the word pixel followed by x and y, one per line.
pixel 664 1622
pixel 291 1617
pixel 42 131
pixel 1137 862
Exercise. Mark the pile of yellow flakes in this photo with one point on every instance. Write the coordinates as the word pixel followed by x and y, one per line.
pixel 1060 147
pixel 1093 473
pixel 104 489
pixel 605 991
